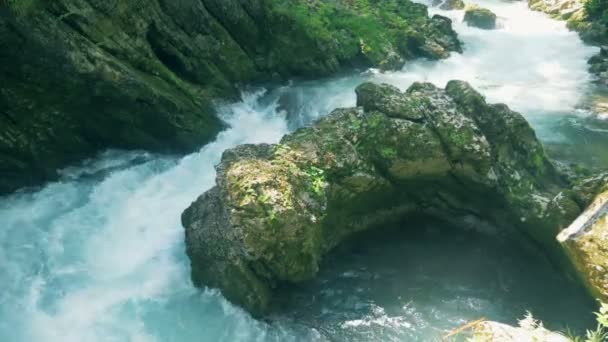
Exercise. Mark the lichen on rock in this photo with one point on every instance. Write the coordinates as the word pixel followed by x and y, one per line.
pixel 278 209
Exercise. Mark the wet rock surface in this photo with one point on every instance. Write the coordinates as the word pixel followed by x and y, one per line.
pixel 278 209
pixel 480 17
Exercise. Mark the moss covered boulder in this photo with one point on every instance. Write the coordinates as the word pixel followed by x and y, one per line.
pixel 586 242
pixel 479 17
pixel 278 209
pixel 79 76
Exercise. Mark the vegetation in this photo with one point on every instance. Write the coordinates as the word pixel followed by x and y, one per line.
pixel 533 330
pixel 381 31
pixel 597 10
pixel 600 334
pixel 20 7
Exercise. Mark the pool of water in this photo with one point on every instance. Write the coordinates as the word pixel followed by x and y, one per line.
pixel 422 278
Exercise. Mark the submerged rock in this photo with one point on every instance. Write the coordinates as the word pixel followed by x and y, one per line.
pixel 586 242
pixel 480 17
pixel 278 209
pixel 79 76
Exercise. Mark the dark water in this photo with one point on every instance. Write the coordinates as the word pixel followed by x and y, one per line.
pixel 420 279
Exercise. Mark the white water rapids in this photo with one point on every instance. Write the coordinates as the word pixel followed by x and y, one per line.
pixel 99 256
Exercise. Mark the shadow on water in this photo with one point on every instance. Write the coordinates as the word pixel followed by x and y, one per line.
pixel 418 283
pixel 576 140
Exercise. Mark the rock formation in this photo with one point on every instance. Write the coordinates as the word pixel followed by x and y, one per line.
pixel 586 242
pixel 278 209
pixel 79 76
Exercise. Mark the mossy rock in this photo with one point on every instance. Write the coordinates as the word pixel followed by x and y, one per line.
pixel 80 76
pixel 479 17
pixel 448 5
pixel 278 209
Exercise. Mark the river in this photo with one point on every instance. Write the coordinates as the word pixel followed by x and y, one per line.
pixel 99 255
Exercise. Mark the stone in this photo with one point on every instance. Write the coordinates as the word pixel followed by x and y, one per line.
pixel 276 210
pixel 480 17
pixel 528 331
pixel 586 241
pixel 448 5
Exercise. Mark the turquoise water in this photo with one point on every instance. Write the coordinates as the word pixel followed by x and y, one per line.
pixel 99 255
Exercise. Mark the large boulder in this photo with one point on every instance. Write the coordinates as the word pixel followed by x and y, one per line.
pixel 479 17
pixel 586 242
pixel 79 76
pixel 278 209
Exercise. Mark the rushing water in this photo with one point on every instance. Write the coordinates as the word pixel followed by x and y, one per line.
pixel 99 256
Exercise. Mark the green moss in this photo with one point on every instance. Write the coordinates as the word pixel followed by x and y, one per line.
pixel 317 180
pixel 388 152
pixel 348 29
pixel 597 10
pixel 20 7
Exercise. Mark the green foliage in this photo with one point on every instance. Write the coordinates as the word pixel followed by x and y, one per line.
pixel 597 10
pixel 317 180
pixel 355 124
pixel 19 7
pixel 600 334
pixel 388 152
pixel 371 28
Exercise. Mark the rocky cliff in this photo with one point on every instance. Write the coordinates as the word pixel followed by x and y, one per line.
pixel 278 209
pixel 79 76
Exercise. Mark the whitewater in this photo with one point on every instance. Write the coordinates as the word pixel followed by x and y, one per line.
pixel 100 254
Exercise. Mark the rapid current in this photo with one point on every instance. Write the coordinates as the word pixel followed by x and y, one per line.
pixel 100 254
